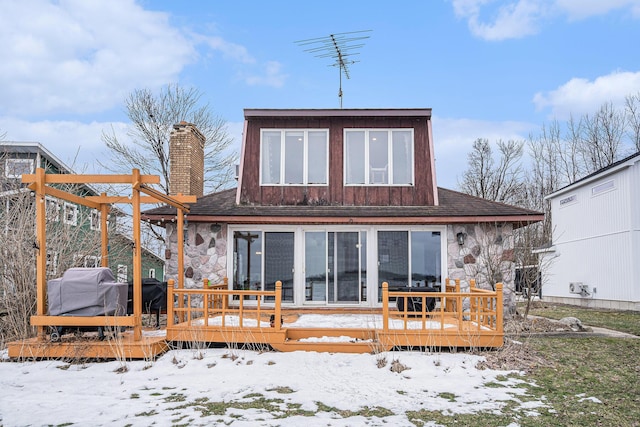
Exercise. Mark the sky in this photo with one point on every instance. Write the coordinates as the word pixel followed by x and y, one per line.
pixel 495 69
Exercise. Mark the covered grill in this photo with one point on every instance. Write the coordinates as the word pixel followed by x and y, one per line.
pixel 87 292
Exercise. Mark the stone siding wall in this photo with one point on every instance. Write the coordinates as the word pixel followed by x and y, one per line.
pixel 487 256
pixel 205 253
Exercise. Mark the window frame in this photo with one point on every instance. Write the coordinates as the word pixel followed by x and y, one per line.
pixel 91 261
pixel 122 272
pixel 74 208
pixel 95 220
pixel 603 187
pixel 31 163
pixel 52 209
pixel 306 161
pixel 390 159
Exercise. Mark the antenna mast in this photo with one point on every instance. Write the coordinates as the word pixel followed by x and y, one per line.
pixel 340 47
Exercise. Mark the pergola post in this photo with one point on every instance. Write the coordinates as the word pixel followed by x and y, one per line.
pixel 137 257
pixel 41 245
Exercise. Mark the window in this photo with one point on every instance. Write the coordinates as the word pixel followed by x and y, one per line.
pixel 601 188
pixel 122 273
pixel 152 273
pixel 378 156
pixel 262 258
pixel 91 261
pixel 52 208
pixel 70 214
pixel 294 157
pixel 15 168
pixel 570 200
pixel 95 220
pixel 335 266
pixel 412 257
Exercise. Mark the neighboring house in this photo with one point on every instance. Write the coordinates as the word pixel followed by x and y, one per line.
pixel 333 203
pixel 18 158
pixel 594 259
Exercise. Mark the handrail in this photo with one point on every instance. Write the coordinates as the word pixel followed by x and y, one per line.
pixel 485 309
pixel 215 301
pixel 474 310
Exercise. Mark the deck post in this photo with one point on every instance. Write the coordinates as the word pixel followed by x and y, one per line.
pixel 170 285
pixel 385 306
pixel 225 298
pixel 499 308
pixel 206 301
pixel 277 311
pixel 459 306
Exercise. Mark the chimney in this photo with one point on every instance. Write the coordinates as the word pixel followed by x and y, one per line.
pixel 186 160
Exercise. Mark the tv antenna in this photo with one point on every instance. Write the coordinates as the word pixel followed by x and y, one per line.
pixel 341 47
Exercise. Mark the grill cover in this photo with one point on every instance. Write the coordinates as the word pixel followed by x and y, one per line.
pixel 87 292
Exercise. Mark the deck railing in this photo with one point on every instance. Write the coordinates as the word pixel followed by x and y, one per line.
pixel 475 311
pixel 478 309
pixel 213 301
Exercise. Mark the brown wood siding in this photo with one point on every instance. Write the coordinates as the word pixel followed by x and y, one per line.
pixel 335 193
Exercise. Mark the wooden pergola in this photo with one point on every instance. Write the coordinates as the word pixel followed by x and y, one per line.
pixel 141 193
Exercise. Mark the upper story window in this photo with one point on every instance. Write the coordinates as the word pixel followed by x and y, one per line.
pixel 294 156
pixel 15 168
pixel 378 157
pixel 601 188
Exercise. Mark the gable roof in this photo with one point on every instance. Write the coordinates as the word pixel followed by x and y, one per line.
pixel 607 170
pixel 454 207
pixel 15 147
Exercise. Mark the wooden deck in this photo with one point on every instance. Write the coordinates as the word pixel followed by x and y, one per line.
pixel 216 314
pixel 88 346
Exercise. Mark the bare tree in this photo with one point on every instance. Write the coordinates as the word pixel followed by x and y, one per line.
pixel 152 118
pixel 499 181
pixel 632 109
pixel 602 137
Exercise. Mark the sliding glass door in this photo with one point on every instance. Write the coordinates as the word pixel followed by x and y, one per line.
pixel 335 267
pixel 261 259
pixel 409 258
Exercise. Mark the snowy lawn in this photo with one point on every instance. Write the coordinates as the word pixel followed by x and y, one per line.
pixel 247 388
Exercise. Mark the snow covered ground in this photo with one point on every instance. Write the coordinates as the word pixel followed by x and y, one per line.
pixel 197 387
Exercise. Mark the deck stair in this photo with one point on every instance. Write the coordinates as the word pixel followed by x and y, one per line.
pixel 329 340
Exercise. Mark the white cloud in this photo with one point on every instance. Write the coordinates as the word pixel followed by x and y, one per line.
pixel 520 18
pixel 580 9
pixel 453 138
pixel 271 76
pixel 82 57
pixel 229 50
pixel 511 20
pixel 580 96
pixel 76 144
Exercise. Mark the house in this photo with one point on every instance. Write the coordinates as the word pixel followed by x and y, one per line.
pixel 332 203
pixel 593 259
pixel 79 224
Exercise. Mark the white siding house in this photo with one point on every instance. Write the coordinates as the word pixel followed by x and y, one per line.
pixel 594 259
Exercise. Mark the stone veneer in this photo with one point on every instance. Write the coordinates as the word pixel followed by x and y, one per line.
pixel 205 253
pixel 487 248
